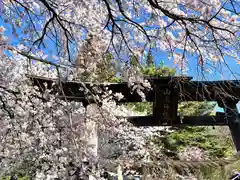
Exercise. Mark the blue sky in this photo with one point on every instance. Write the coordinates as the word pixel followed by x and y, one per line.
pixel 221 72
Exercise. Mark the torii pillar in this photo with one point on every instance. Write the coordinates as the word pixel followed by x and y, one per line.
pixel 233 120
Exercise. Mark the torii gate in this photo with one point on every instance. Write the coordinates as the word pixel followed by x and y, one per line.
pixel 165 95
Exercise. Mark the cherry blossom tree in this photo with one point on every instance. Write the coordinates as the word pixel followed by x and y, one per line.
pixel 43 129
pixel 207 30
pixel 50 137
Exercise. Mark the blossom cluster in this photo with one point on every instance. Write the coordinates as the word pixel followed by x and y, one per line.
pixel 45 133
pixel 208 30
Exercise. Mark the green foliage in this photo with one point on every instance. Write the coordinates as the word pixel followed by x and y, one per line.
pixel 150 59
pixel 196 137
pixel 105 71
pixel 24 169
pixel 158 71
pixel 85 76
pixel 192 108
pixel 141 107
pixel 115 80
pixel 133 60
pixel 19 178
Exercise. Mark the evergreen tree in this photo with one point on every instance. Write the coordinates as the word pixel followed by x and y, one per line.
pixel 134 61
pixel 150 59
pixel 104 72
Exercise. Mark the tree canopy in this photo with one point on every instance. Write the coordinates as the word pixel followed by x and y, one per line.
pixel 206 30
